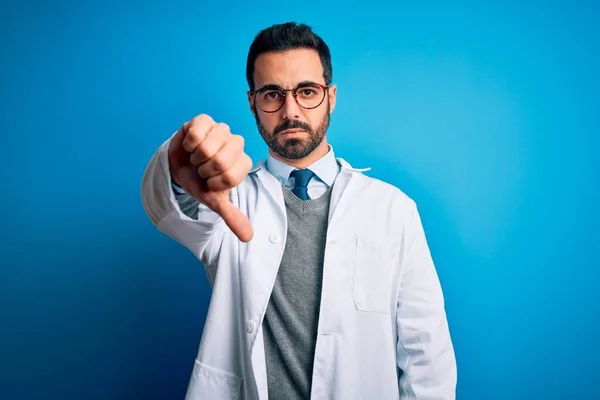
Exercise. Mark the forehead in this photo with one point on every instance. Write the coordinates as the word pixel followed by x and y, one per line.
pixel 288 68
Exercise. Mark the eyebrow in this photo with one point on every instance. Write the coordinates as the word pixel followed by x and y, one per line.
pixel 272 86
pixel 305 83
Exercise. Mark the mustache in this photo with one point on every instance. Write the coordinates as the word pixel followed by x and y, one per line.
pixel 289 124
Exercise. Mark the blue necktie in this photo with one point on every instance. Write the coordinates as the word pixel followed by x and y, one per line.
pixel 301 179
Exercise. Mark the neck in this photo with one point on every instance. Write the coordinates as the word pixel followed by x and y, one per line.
pixel 300 163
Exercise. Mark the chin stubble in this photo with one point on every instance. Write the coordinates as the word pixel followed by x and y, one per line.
pixel 294 148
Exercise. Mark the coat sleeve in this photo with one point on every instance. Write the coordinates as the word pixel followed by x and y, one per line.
pixel 425 354
pixel 201 232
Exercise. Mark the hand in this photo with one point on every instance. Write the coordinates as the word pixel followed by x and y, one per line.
pixel 207 160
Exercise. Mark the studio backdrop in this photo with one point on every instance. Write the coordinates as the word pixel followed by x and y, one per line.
pixel 485 113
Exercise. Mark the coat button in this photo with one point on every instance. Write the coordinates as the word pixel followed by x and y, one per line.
pixel 274 238
pixel 250 326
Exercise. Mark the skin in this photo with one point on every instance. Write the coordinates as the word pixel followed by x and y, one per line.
pixel 207 160
pixel 288 69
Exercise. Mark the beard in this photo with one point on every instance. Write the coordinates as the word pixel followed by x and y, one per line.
pixel 294 148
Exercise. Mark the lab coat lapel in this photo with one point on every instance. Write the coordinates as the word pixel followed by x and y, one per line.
pixel 261 262
pixel 272 186
pixel 270 228
pixel 343 188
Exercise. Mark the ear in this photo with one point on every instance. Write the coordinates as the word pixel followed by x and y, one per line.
pixel 251 103
pixel 332 92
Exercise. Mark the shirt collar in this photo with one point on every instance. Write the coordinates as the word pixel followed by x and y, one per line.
pixel 326 168
pixel 344 165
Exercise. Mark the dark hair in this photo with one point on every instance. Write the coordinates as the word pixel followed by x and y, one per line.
pixel 287 36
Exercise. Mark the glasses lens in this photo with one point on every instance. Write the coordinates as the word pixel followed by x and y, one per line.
pixel 310 96
pixel 269 100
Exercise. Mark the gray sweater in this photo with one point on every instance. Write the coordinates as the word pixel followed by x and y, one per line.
pixel 291 320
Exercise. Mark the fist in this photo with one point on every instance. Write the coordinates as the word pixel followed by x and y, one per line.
pixel 207 160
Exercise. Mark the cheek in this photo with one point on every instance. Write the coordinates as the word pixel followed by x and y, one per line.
pixel 316 118
pixel 269 121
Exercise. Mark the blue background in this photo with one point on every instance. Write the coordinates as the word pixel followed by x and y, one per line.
pixel 487 114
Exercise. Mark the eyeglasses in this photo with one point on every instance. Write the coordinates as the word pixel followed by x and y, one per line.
pixel 308 95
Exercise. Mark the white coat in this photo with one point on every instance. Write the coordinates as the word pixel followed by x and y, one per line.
pixel 382 331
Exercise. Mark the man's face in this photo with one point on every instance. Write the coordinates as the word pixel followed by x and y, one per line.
pixel 292 132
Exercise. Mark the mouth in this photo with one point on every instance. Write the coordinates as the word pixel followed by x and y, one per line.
pixel 291 131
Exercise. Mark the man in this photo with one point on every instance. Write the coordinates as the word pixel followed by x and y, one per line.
pixel 323 286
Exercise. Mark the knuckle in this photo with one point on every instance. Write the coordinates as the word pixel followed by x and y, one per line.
pixel 184 127
pixel 222 128
pixel 197 127
pixel 194 133
pixel 190 134
pixel 202 119
pixel 220 163
pixel 210 149
pixel 240 139
pixel 228 179
pixel 199 156
pixel 189 144
pixel 249 161
pixel 248 164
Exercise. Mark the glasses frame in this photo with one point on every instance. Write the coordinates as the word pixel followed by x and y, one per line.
pixel 294 94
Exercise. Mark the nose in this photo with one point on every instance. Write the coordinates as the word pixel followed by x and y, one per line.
pixel 290 108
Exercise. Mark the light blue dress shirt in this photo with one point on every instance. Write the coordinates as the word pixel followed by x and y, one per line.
pixel 325 169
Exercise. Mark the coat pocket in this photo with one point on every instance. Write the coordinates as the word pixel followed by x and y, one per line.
pixel 211 383
pixel 372 266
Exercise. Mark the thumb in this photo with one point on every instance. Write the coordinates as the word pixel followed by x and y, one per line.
pixel 233 217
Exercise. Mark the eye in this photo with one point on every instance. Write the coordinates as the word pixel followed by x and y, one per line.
pixel 271 95
pixel 307 92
